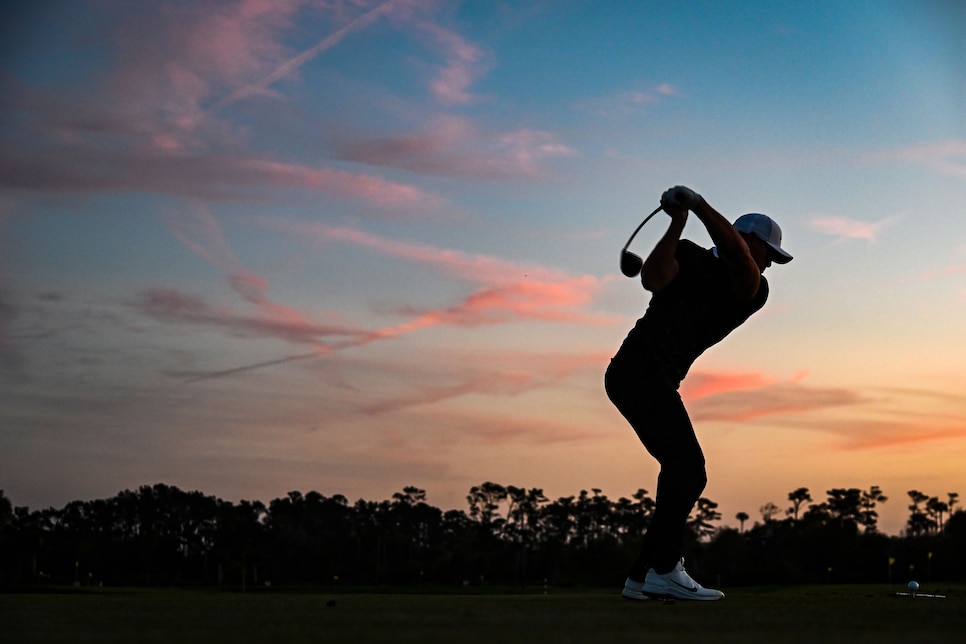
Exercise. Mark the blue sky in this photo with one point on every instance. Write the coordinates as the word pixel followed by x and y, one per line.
pixel 249 247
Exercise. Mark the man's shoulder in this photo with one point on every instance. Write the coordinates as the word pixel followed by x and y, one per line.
pixel 695 255
pixel 688 248
pixel 691 246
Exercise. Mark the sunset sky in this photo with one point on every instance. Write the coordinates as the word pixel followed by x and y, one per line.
pixel 255 246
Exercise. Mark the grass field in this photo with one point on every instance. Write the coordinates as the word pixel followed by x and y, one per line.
pixel 820 614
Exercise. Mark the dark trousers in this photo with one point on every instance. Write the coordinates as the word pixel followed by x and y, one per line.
pixel 653 407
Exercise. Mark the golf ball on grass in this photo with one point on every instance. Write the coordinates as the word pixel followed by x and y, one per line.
pixel 913 586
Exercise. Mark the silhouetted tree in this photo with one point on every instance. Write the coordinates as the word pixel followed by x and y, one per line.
pixel 742 517
pixel 592 514
pixel 936 509
pixel 868 516
pixel 484 501
pixel 6 511
pixel 843 504
pixel 237 538
pixel 798 498
pixel 768 512
pixel 558 521
pixel 631 517
pixel 159 534
pixel 919 522
pixel 704 513
pixel 817 513
pixel 523 514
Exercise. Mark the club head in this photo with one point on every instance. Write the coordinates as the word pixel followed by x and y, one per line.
pixel 631 264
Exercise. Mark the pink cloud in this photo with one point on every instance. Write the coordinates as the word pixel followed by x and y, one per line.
pixel 905 417
pixel 877 420
pixel 703 384
pixel 496 380
pixel 463 64
pixel 945 157
pixel 208 177
pixel 484 269
pixel 147 123
pixel 201 232
pixel 509 293
pixel 171 305
pixel 290 66
pixel 627 102
pixel 954 269
pixel 742 404
pixel 453 146
pixel 545 301
pixel 175 59
pixel 451 376
pixel 868 435
pixel 505 429
pixel 846 228
pixel 346 184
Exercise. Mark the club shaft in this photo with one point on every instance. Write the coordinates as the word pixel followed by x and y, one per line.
pixel 638 229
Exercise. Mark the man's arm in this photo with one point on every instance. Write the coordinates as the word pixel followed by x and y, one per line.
pixel 661 267
pixel 732 248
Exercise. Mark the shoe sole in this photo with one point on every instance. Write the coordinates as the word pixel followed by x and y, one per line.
pixel 690 598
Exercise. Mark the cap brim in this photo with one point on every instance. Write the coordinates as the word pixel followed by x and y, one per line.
pixel 778 255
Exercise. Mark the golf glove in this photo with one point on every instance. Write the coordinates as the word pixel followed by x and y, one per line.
pixel 681 197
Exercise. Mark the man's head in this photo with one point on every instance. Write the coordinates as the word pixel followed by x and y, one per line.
pixel 764 239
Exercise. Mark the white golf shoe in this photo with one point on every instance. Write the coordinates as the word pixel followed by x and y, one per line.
pixel 677 584
pixel 634 590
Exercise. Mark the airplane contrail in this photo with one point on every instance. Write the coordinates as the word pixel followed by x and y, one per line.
pixel 294 63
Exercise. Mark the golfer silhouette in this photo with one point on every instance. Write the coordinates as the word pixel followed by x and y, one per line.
pixel 698 297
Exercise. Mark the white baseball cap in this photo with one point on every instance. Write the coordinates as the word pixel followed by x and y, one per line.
pixel 765 228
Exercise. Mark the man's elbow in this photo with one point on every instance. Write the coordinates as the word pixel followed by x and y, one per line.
pixel 747 289
pixel 655 280
pixel 655 275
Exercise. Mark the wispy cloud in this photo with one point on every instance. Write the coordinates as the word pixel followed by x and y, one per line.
pixel 200 231
pixel 463 63
pixel 510 291
pixel 704 384
pixel 627 102
pixel 945 157
pixel 455 146
pixel 873 434
pixel 289 67
pixel 207 176
pixel 272 320
pixel 947 271
pixel 174 62
pixel 158 121
pixel 471 267
pixel 500 373
pixel 497 429
pixel 507 292
pixel 745 402
pixel 847 228
pixel 882 419
pixel 149 124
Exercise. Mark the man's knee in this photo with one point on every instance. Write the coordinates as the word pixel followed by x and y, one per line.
pixel 689 476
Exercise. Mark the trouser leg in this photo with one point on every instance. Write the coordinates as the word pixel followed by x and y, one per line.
pixel 655 410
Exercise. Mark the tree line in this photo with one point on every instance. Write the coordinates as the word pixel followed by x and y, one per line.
pixel 161 535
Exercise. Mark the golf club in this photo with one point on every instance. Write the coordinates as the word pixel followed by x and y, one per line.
pixel 631 264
